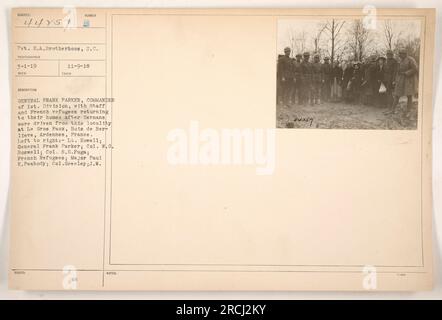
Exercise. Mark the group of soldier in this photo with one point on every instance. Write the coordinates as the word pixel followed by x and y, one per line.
pixel 302 81
pixel 377 80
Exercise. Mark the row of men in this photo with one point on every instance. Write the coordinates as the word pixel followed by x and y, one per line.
pixel 378 80
pixel 301 79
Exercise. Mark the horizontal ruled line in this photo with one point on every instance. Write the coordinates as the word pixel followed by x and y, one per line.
pixel 41 76
pixel 68 27
pixel 62 43
pixel 38 59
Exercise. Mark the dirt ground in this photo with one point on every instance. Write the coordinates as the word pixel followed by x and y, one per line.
pixel 339 115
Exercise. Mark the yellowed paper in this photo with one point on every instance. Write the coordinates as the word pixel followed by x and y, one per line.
pixel 151 151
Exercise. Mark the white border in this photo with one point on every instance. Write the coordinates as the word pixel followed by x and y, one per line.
pixel 5 114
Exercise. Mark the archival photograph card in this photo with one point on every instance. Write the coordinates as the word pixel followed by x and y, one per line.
pixel 221 149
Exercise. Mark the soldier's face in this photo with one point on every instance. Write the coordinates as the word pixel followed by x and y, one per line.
pixel 287 53
pixel 402 55
pixel 306 58
pixel 316 59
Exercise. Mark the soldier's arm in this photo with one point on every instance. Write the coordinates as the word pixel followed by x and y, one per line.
pixel 293 67
pixel 278 70
pixel 395 69
pixel 412 67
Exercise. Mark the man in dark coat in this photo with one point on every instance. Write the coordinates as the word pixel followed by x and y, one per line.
pixel 285 76
pixel 337 74
pixel 390 72
pixel 355 83
pixel 278 80
pixel 381 94
pixel 317 79
pixel 406 81
pixel 370 83
pixel 296 93
pixel 327 72
pixel 306 78
pixel 347 75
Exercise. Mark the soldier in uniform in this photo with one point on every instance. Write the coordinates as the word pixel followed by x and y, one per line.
pixel 285 76
pixel 406 81
pixel 278 80
pixel 370 82
pixel 337 74
pixel 390 71
pixel 382 97
pixel 347 75
pixel 328 74
pixel 296 93
pixel 317 79
pixel 306 78
pixel 355 83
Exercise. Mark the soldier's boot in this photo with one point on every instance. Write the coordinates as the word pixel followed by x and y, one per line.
pixel 394 106
pixel 390 106
pixel 317 98
pixel 312 99
pixel 285 99
pixel 305 98
pixel 293 97
pixel 409 106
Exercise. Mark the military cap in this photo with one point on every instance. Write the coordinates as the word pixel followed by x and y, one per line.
pixel 316 56
pixel 402 50
pixel 380 57
pixel 373 58
pixel 389 52
pixel 306 54
pixel 326 58
pixel 287 49
pixel 298 55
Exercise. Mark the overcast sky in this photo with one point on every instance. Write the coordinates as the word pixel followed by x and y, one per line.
pixel 294 28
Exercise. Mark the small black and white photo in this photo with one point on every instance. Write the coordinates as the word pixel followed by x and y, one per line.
pixel 348 74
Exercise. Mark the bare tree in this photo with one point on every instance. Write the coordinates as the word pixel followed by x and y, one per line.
pixel 301 41
pixel 333 28
pixel 297 41
pixel 390 35
pixel 291 39
pixel 360 40
pixel 317 37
